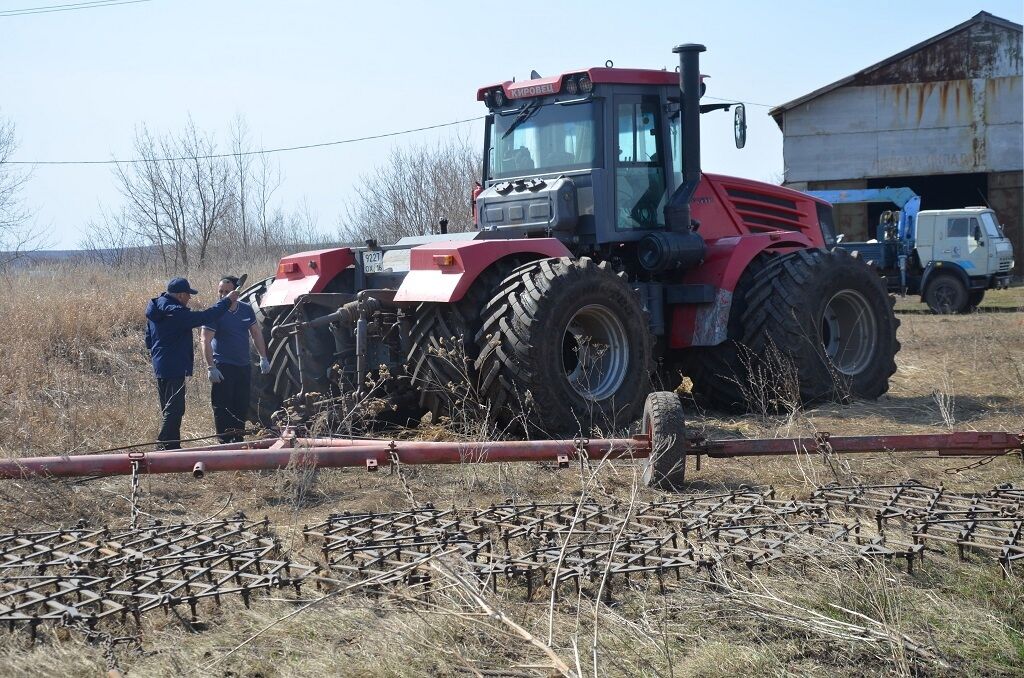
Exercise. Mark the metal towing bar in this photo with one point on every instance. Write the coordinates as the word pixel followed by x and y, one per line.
pixel 664 436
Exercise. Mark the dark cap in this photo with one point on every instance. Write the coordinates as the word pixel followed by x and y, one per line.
pixel 178 285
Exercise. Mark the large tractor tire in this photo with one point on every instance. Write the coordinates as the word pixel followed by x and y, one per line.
pixel 564 347
pixel 269 392
pixel 946 294
pixel 443 348
pixel 811 326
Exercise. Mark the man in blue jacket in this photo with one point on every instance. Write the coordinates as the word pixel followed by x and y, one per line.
pixel 169 340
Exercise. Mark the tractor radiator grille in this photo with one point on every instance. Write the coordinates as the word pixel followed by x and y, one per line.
pixel 1004 266
pixel 762 213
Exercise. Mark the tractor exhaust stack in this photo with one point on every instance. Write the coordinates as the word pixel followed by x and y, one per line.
pixel 677 211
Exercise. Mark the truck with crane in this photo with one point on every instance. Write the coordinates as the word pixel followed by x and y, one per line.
pixel 603 258
pixel 949 257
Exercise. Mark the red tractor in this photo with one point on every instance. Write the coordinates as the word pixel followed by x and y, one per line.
pixel 603 258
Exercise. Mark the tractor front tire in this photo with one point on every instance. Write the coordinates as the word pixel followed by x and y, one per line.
pixel 564 347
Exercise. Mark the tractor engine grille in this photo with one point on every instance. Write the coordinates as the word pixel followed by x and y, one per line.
pixel 761 213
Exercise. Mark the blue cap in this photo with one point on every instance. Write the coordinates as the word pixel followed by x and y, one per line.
pixel 177 285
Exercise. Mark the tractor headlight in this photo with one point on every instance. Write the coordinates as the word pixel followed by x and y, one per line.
pixel 586 86
pixel 499 98
pixel 571 87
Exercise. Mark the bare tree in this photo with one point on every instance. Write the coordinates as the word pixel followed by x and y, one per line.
pixel 266 181
pixel 179 194
pixel 412 190
pixel 240 150
pixel 17 237
pixel 111 241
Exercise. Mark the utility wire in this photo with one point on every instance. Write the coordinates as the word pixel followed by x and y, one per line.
pixel 244 153
pixel 70 7
pixel 748 103
pixel 285 149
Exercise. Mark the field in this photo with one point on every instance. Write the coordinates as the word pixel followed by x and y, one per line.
pixel 75 377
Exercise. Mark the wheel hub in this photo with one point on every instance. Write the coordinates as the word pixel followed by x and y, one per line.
pixel 595 352
pixel 848 330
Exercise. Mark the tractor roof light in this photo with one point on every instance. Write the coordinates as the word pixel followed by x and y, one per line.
pixel 586 86
pixel 571 86
pixel 499 97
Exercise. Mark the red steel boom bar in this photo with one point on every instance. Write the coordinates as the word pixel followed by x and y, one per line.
pixel 959 444
pixel 336 452
pixel 361 453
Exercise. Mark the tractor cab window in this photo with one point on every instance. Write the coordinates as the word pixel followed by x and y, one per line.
pixel 640 190
pixel 543 138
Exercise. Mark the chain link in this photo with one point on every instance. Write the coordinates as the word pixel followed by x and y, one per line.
pixel 396 467
pixel 975 464
pixel 108 642
pixel 135 494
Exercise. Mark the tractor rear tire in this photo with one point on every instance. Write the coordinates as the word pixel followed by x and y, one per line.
pixel 946 294
pixel 270 391
pixel 719 373
pixel 443 348
pixel 564 347
pixel 813 326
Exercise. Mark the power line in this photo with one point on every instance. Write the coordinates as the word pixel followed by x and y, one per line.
pixel 69 7
pixel 244 153
pixel 748 103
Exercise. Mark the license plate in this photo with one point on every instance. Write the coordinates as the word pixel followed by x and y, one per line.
pixel 373 261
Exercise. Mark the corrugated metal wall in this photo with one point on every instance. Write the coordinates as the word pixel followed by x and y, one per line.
pixel 955 106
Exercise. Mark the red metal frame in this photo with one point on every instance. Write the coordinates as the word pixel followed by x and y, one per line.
pixel 444 271
pixel 277 453
pixel 306 273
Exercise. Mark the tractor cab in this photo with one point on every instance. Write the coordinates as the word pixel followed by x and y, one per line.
pixel 591 157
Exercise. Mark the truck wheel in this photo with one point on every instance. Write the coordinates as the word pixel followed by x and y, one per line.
pixel 946 294
pixel 565 346
pixel 664 421
pixel 974 300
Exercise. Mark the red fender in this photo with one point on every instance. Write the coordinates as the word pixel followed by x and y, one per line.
pixel 724 263
pixel 306 273
pixel 443 272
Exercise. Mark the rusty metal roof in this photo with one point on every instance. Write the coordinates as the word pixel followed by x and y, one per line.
pixel 870 75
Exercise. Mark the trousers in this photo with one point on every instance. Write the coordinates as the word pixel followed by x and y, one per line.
pixel 172 409
pixel 230 400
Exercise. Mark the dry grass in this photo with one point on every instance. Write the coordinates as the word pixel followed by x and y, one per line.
pixel 75 377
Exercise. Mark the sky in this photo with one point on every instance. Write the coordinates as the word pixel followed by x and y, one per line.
pixel 77 84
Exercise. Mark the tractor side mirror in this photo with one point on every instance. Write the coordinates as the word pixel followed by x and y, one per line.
pixel 739 125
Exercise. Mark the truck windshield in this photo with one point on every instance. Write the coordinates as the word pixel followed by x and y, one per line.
pixel 552 139
pixel 991 227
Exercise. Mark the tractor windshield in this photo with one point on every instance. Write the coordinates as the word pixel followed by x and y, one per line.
pixel 547 139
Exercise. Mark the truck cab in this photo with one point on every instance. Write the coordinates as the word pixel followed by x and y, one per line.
pixel 967 244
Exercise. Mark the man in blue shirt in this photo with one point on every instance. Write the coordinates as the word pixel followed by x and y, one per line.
pixel 226 350
pixel 169 339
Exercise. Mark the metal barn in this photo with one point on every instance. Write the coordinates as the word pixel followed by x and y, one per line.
pixel 944 117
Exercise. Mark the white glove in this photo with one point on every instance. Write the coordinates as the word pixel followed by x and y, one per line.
pixel 264 366
pixel 215 376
